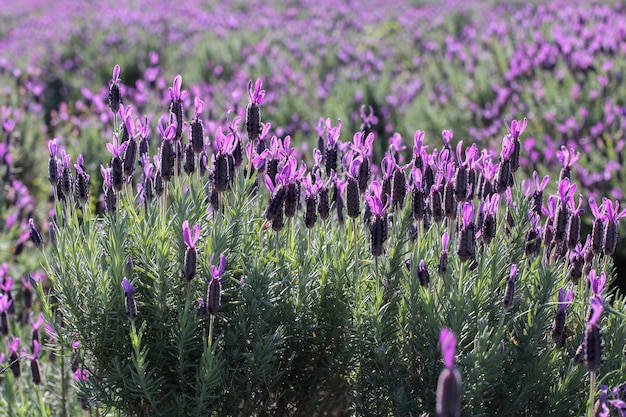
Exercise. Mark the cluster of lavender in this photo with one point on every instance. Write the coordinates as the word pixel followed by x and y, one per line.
pixel 459 192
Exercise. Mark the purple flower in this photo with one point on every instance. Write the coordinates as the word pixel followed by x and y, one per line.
pixel 447 341
pixel 116 75
pixel 467 213
pixel 256 95
pixel 445 240
pixel 597 282
pixel 565 299
pixel 516 128
pixel 52 147
pixel 115 148
pixel 81 375
pixel 217 271
pixel 198 107
pixel 176 94
pixel 189 238
pixel 128 288
pixel 567 157
pixel 106 175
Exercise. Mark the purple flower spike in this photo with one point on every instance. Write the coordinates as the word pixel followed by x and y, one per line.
pixel 597 282
pixel 256 95
pixel 191 240
pixel 565 299
pixel 447 340
pixel 544 182
pixel 128 288
pixel 612 213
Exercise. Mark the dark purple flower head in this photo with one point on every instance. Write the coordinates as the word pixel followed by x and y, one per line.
pixel 216 272
pixel 256 96
pixel 516 128
pixel 597 282
pixel 445 241
pixel 447 341
pixel 189 238
pixel 565 299
pixel 176 94
pixel 52 147
pixel 198 107
pixel 126 285
pixel 567 157
pixel 115 148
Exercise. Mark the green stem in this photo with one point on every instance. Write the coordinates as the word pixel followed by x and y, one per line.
pixel 211 322
pixel 63 383
pixel 592 393
pixel 461 279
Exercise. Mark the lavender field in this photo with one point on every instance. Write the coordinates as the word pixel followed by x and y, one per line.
pixel 307 208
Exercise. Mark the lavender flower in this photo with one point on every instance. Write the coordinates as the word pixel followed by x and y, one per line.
pixel 253 111
pixel 467 240
pixel 593 338
pixel 34 363
pixel 568 158
pixel 5 303
pixel 196 131
pixel 449 384
pixel 597 232
pixel 509 292
pixel 190 240
pixel 35 235
pixel 422 274
pixel 53 169
pixel 558 325
pixel 115 97
pixel 130 303
pixel 14 349
pixel 177 95
pixel 611 218
pixel 117 171
pixel 214 293
pixel 379 227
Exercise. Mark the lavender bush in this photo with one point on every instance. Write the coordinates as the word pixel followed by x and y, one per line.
pixel 336 316
pixel 178 277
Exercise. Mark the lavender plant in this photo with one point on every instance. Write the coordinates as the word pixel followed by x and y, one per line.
pixel 299 320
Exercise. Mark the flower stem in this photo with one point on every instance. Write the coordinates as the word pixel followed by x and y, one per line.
pixel 592 392
pixel 211 322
